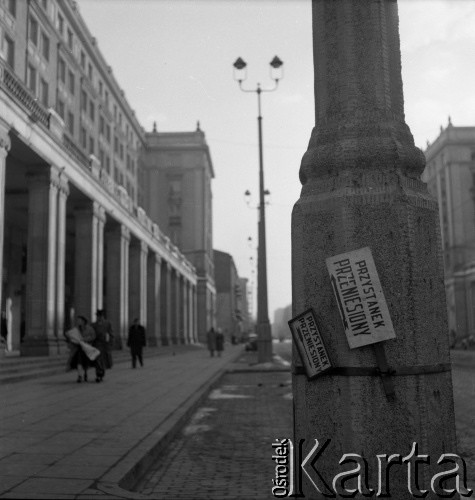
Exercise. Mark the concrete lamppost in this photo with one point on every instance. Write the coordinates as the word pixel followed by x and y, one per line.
pixel 264 335
pixel 361 189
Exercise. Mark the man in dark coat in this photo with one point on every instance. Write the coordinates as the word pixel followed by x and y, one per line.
pixel 219 341
pixel 103 341
pixel 136 341
pixel 211 341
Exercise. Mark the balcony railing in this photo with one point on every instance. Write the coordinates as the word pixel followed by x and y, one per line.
pixel 24 97
pixel 75 151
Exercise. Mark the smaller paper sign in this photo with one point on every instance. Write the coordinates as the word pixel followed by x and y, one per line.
pixel 309 343
pixel 360 298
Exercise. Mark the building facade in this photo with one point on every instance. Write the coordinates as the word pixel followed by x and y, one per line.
pixel 231 304
pixel 74 236
pixel 177 175
pixel 247 324
pixel 280 326
pixel 450 175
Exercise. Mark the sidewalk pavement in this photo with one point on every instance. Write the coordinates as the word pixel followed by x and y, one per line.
pixel 60 439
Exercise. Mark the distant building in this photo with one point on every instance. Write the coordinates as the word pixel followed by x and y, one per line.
pixel 247 324
pixel 280 327
pixel 176 186
pixel 231 316
pixel 74 234
pixel 450 175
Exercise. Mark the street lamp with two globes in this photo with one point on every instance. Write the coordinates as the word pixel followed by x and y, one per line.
pixel 263 326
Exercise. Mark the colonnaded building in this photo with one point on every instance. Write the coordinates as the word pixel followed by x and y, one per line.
pixel 450 176
pixel 78 229
pixel 232 315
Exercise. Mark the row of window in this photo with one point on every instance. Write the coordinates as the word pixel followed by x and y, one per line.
pixel 10 50
pixel 39 38
pixel 62 31
pixel 91 109
pixel 88 106
pixel 40 87
pixel 11 6
pixel 104 129
pixel 66 76
pixel 88 142
pixel 89 70
pixel 32 82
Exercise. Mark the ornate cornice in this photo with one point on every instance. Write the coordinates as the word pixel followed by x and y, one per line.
pixel 5 142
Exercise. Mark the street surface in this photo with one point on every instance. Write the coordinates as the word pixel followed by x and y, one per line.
pixel 225 450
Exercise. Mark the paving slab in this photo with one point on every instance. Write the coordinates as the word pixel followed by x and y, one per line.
pixel 60 439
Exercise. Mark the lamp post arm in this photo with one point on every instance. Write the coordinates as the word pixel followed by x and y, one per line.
pixel 259 88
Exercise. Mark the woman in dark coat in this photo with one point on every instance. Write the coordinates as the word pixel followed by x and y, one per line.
pixel 78 337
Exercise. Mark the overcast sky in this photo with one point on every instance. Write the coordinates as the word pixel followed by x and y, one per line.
pixel 173 59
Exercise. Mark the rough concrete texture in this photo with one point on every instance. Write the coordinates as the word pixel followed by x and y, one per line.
pixel 353 411
pixel 359 106
pixel 361 189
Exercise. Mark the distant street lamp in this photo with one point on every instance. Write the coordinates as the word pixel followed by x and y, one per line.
pixel 264 335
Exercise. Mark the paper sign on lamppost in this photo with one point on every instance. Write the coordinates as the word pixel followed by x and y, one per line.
pixel 360 298
pixel 309 343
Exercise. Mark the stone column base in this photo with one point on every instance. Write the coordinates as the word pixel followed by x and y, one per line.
pixel 42 347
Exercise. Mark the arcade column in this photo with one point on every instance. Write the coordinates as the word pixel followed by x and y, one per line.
pixel 189 308
pixel 100 214
pixel 41 276
pixel 138 281
pixel 117 279
pixel 180 309
pixel 184 311
pixel 154 263
pixel 4 148
pixel 175 306
pixel 165 303
pixel 194 306
pixel 89 241
pixel 63 192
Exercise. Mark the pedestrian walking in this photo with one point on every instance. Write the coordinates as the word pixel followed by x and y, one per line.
pixel 453 338
pixel 4 328
pixel 103 341
pixel 82 353
pixel 136 341
pixel 211 341
pixel 219 342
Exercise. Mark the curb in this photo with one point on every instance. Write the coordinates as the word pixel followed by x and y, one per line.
pixel 276 365
pixel 140 459
pixel 272 369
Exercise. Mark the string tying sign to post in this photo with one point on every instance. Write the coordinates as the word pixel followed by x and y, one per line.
pixel 360 298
